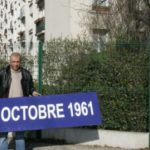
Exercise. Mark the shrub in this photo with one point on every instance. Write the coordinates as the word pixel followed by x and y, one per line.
pixel 3 63
pixel 119 76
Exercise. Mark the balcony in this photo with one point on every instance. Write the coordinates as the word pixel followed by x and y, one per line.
pixel 11 9
pixel 21 38
pixel 31 41
pixel 5 32
pixel 30 2
pixel 100 14
pixel 21 35
pixel 0 37
pixel 6 4
pixel 1 14
pixel 40 4
pixel 31 10
pixel 99 21
pixel 22 14
pixel 10 45
pixel 40 26
pixel 5 19
pixel 100 31
pixel 1 25
pixel 11 27
pixel 101 9
pixel 5 47
pixel 1 3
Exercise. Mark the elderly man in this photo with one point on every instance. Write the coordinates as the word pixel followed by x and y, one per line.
pixel 15 81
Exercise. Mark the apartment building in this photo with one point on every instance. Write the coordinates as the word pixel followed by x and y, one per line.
pixel 24 22
pixel 76 17
pixel 21 25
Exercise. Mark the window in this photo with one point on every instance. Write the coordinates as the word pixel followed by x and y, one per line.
pixel 100 38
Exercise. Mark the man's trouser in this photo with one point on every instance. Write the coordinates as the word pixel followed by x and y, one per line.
pixel 19 140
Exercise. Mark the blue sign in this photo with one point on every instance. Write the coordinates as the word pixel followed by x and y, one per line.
pixel 52 111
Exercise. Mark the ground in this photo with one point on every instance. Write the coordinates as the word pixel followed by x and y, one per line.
pixel 60 145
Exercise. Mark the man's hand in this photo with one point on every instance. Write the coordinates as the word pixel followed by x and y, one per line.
pixel 35 93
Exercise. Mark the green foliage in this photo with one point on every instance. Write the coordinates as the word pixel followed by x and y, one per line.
pixel 60 53
pixel 121 83
pixel 3 63
pixel 123 94
pixel 27 61
pixel 119 76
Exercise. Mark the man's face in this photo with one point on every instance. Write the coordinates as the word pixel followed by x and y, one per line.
pixel 15 62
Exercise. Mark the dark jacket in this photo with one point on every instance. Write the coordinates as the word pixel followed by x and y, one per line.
pixel 5 81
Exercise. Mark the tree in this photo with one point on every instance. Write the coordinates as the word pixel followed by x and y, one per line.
pixel 130 18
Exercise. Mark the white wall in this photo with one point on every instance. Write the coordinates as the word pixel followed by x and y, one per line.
pixel 57 21
pixel 127 140
pixel 79 14
pixel 66 17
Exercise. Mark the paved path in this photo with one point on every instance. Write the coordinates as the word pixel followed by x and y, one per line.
pixel 47 145
pixel 73 147
pixel 68 147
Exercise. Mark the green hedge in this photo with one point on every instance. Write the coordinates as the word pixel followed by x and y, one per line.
pixel 120 78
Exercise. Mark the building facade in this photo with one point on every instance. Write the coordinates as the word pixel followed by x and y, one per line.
pixel 23 23
pixel 20 21
pixel 70 18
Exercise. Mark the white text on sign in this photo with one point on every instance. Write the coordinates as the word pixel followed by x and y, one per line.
pixel 40 112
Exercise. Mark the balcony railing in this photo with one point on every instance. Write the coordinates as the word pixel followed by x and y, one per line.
pixel 101 9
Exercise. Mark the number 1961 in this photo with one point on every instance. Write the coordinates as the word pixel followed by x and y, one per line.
pixel 79 109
